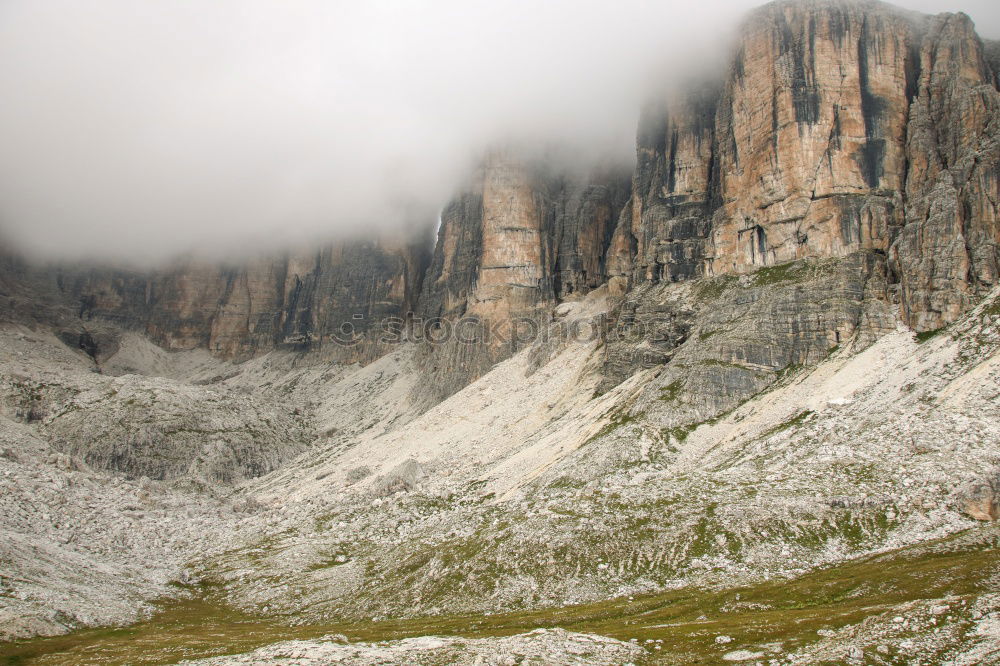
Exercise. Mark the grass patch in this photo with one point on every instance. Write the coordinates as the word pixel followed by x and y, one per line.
pixel 671 391
pixel 924 336
pixel 786 611
pixel 680 433
pixel 792 422
pixel 712 288
pixel 334 560
pixel 714 362
pixel 620 418
pixel 789 370
pixel 792 271
pixel 567 482
pixel 780 273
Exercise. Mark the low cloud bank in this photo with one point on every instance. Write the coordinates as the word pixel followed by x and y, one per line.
pixel 139 130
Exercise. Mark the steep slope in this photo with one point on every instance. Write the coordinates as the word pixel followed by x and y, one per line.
pixel 497 500
pixel 947 253
pixel 492 502
pixel 843 126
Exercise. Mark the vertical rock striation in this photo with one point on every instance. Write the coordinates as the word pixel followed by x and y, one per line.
pixel 812 128
pixel 523 236
pixel 339 293
pixel 948 252
pixel 674 188
pixel 586 211
pixel 841 127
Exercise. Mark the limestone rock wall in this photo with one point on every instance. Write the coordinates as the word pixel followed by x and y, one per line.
pixel 846 132
pixel 514 274
pixel 340 292
pixel 522 236
pixel 812 129
pixel 991 50
pixel 841 126
pixel 948 253
pixel 802 151
pixel 674 188
pixel 747 332
pixel 586 211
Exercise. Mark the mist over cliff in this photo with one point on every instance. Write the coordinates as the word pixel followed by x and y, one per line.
pixel 137 131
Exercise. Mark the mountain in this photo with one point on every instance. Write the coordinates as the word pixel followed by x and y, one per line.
pixel 729 402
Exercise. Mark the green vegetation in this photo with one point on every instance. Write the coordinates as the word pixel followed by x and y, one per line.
pixel 786 611
pixel 619 418
pixel 680 433
pixel 924 336
pixel 722 364
pixel 567 482
pixel 711 288
pixel 793 271
pixel 789 371
pixel 792 422
pixel 333 560
pixel 781 273
pixel 671 391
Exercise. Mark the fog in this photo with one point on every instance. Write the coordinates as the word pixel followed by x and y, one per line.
pixel 135 131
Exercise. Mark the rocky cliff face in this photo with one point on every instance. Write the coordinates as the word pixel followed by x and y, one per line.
pixel 848 133
pixel 842 129
pixel 522 236
pixel 674 189
pixel 842 126
pixel 947 254
pixel 813 125
pixel 336 297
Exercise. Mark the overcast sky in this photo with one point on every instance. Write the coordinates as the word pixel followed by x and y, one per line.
pixel 141 129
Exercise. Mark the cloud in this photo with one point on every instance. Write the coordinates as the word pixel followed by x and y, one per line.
pixel 139 130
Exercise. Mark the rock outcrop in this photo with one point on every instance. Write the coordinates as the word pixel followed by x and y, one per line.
pixel 747 332
pixel 337 297
pixel 674 189
pixel 842 129
pixel 849 130
pixel 948 253
pixel 842 126
pixel 750 408
pixel 523 236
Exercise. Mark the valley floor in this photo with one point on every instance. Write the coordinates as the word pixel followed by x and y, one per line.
pixel 934 604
